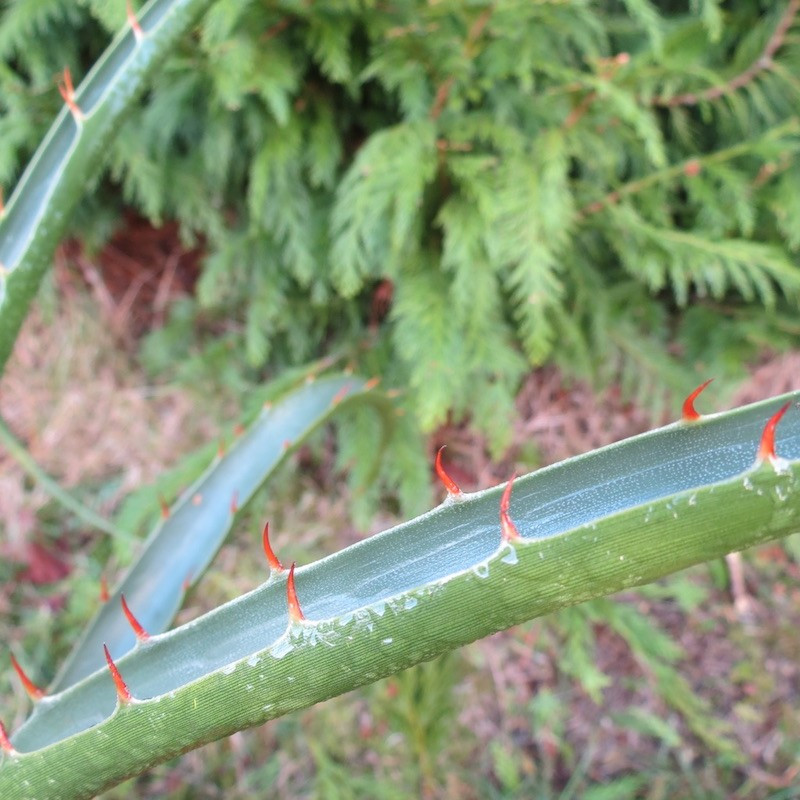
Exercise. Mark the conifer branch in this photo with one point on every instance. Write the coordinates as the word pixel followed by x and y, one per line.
pixel 608 69
pixel 445 87
pixel 281 25
pixel 688 167
pixel 763 63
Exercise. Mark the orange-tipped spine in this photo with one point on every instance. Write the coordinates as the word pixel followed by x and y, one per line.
pixel 133 22
pixel 67 92
pixel 766 447
pixel 164 507
pixel 5 742
pixel 141 634
pixel 507 526
pixel 449 484
pixel 340 395
pixel 295 612
pixel 272 559
pixel 234 502
pixel 34 692
pixel 123 693
pixel 689 413
pixel 104 595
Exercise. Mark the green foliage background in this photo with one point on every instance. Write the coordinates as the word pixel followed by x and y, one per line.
pixel 611 186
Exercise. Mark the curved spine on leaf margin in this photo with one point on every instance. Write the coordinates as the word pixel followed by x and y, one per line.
pixel 190 533
pixel 36 216
pixel 611 519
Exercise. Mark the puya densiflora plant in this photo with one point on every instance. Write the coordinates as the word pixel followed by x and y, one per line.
pixel 615 518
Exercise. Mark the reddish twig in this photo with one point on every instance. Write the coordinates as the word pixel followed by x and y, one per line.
pixel 474 33
pixel 761 64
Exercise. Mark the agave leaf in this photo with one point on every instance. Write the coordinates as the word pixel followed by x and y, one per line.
pixel 614 518
pixel 38 211
pixel 182 546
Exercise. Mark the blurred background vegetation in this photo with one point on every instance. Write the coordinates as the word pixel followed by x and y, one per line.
pixel 541 224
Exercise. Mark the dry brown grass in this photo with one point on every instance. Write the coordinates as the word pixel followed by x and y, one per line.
pixel 86 412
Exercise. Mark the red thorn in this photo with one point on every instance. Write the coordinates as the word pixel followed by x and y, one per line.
pixel 507 527
pixel 123 693
pixel 287 444
pixel 234 502
pixel 449 483
pixel 340 395
pixel 295 613
pixel 141 634
pixel 274 563
pixel 187 582
pixel 134 23
pixel 689 413
pixel 238 429
pixel 221 448
pixel 5 742
pixel 67 92
pixel 164 507
pixel 34 692
pixel 104 595
pixel 766 448
pixel 372 383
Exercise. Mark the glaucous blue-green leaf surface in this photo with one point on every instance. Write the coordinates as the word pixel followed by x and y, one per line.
pixel 39 209
pixel 180 549
pixel 611 519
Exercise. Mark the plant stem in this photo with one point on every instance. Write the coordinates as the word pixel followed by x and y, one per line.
pixel 792 125
pixel 761 64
